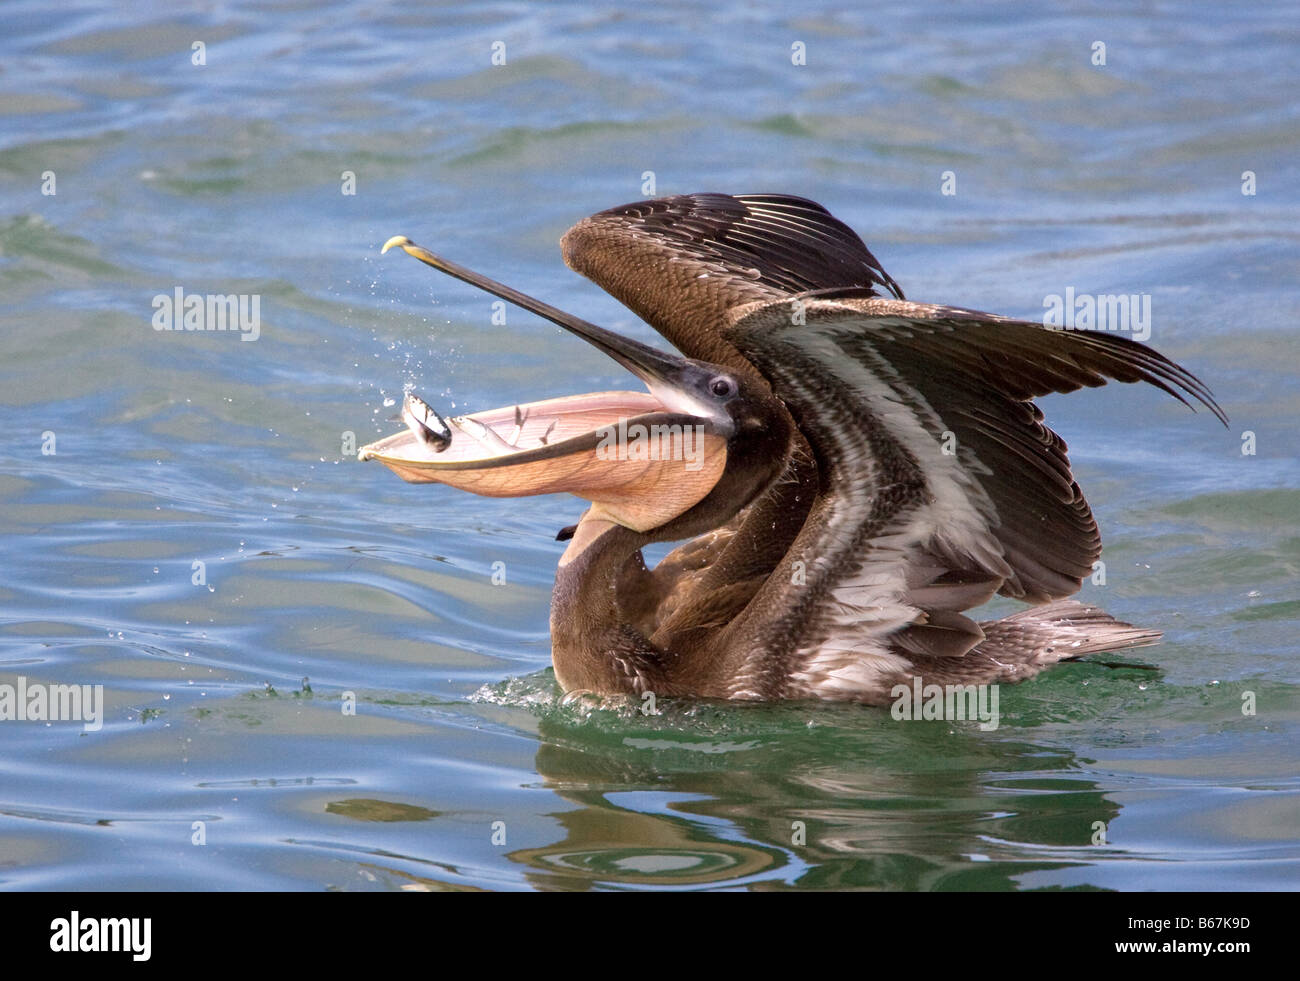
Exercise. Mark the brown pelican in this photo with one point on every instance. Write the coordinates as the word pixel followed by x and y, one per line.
pixel 854 470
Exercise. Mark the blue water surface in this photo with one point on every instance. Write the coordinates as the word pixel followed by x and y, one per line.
pixel 208 147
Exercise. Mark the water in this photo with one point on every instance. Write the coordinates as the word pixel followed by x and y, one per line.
pixel 460 768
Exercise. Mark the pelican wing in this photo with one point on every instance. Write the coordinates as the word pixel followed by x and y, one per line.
pixel 685 265
pixel 941 485
pixel 680 263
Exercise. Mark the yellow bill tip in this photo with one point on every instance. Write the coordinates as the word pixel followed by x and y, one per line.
pixel 396 242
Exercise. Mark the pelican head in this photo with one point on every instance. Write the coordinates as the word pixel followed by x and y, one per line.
pixel 683 456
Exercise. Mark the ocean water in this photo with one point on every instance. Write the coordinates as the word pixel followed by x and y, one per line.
pixel 225 761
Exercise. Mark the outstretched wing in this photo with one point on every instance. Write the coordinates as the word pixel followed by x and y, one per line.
pixel 681 263
pixel 941 483
pixel 685 265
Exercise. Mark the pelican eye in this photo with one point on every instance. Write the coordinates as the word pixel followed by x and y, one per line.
pixel 722 387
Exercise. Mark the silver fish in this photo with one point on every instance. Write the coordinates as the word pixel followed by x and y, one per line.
pixel 424 423
pixel 485 434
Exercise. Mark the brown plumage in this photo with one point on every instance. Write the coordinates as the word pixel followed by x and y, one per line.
pixel 885 469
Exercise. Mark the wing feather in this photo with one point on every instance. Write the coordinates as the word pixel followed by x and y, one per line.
pixel 942 483
pixel 682 262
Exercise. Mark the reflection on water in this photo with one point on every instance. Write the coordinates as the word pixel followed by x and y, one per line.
pixel 809 797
